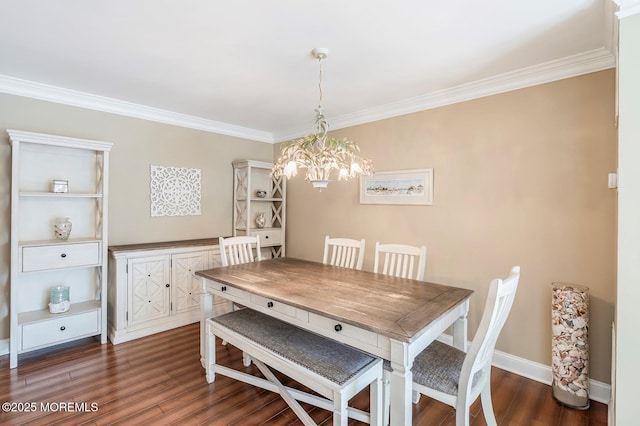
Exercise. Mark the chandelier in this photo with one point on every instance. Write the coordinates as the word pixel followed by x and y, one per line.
pixel 320 153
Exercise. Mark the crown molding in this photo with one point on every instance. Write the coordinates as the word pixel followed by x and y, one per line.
pixel 627 8
pixel 45 92
pixel 571 66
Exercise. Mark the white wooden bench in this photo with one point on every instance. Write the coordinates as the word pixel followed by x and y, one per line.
pixel 333 370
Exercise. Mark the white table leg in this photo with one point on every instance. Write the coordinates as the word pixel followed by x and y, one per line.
pixel 210 355
pixel 401 384
pixel 460 330
pixel 206 310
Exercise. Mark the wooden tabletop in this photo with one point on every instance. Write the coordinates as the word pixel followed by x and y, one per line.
pixel 395 307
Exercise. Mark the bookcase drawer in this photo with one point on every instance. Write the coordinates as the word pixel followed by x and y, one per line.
pixel 58 330
pixel 268 237
pixel 57 256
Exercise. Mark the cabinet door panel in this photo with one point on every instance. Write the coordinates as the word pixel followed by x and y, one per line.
pixel 185 285
pixel 149 288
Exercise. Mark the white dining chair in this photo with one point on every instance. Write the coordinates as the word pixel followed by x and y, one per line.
pixel 400 260
pixel 404 261
pixel 344 252
pixel 238 250
pixel 447 374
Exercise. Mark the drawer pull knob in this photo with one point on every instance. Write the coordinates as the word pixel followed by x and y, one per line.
pixel 223 288
pixel 63 255
pixel 167 285
pixel 266 237
pixel 338 327
pixel 63 328
pixel 270 305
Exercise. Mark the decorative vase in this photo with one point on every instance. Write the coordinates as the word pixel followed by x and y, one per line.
pixel 570 345
pixel 260 220
pixel 59 299
pixel 62 228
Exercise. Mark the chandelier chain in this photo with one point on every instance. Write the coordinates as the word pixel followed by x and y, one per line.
pixel 320 80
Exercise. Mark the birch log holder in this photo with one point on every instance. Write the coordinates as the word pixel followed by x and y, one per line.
pixel 570 345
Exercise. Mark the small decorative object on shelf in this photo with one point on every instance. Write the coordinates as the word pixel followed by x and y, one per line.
pixel 570 344
pixel 260 220
pixel 60 186
pixel 59 299
pixel 62 228
pixel 257 195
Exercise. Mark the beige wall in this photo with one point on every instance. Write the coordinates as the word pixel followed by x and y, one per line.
pixel 137 145
pixel 628 290
pixel 520 178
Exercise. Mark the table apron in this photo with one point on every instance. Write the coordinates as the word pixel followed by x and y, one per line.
pixel 365 340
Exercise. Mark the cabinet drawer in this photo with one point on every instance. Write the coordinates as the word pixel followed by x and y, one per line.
pixel 268 237
pixel 40 258
pixel 346 330
pixel 263 302
pixel 224 290
pixel 58 330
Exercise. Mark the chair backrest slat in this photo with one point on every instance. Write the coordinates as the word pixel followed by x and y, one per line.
pixel 238 250
pixel 344 252
pixel 399 260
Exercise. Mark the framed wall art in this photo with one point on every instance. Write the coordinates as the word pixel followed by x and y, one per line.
pixel 175 191
pixel 408 187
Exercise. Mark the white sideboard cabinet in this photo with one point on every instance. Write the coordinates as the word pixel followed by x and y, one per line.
pixel 153 288
pixel 56 177
pixel 249 178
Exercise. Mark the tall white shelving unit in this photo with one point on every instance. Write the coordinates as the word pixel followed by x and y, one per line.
pixel 250 176
pixel 39 261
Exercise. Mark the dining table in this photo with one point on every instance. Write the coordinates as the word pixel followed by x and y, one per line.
pixel 389 317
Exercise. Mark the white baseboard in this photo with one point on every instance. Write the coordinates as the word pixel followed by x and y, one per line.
pixel 598 391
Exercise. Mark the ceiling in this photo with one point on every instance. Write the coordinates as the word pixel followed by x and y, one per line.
pixel 244 67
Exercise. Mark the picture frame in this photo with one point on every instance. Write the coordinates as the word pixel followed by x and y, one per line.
pixel 403 187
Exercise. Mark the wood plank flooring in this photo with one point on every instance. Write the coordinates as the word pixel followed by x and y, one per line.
pixel 158 380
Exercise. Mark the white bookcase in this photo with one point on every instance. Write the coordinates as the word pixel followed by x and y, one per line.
pixel 249 177
pixel 39 261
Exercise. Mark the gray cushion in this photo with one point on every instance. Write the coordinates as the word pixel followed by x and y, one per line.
pixel 438 367
pixel 323 356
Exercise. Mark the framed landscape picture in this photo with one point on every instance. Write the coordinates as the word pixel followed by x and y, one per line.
pixel 398 187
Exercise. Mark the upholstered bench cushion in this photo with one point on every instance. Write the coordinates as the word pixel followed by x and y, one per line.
pixel 438 367
pixel 323 356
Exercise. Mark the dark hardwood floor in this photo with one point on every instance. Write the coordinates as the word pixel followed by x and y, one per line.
pixel 158 380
